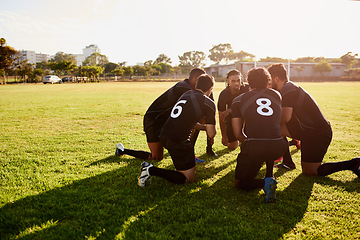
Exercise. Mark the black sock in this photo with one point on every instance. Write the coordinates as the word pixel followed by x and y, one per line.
pixel 137 154
pixel 329 168
pixel 287 159
pixel 269 169
pixel 169 175
pixel 209 142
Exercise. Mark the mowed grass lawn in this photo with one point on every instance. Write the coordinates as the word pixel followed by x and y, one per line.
pixel 61 180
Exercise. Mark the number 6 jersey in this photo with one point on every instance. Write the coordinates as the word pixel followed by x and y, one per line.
pixel 261 111
pixel 189 109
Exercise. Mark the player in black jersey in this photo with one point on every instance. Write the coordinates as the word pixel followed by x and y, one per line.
pixel 303 120
pixel 235 87
pixel 175 134
pixel 156 116
pixel 256 123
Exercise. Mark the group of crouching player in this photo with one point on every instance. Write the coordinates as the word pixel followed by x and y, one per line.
pixel 259 116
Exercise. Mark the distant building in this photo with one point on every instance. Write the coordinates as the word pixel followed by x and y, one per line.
pixel 296 70
pixel 40 57
pixel 27 55
pixel 80 58
pixel 33 57
pixel 87 51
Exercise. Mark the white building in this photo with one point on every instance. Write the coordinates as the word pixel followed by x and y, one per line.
pixel 296 71
pixel 87 51
pixel 40 57
pixel 33 57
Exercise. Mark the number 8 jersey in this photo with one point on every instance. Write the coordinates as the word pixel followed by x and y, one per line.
pixel 189 109
pixel 261 111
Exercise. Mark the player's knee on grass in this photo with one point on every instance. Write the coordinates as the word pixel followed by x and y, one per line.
pixel 310 169
pixel 190 174
pixel 233 145
pixel 157 151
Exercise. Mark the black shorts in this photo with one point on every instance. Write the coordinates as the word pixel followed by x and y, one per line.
pixel 315 145
pixel 182 154
pixel 152 133
pixel 254 153
pixel 230 132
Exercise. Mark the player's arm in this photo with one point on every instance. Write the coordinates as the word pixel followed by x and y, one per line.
pixel 286 114
pixel 223 128
pixel 238 124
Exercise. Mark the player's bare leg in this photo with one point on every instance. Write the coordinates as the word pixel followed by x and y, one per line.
pixel 190 174
pixel 233 145
pixel 310 169
pixel 157 151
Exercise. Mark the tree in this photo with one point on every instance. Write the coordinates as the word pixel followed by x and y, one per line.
pixel 348 58
pixel 110 66
pixel 221 52
pixel 162 58
pixel 142 70
pixel 61 56
pixel 63 66
pixel 96 59
pixel 305 60
pixel 8 57
pixel 322 67
pixel 192 59
pixel 25 69
pixel 273 59
pixel 128 71
pixel 122 64
pixel 118 71
pixel 90 72
pixel 241 56
pixel 148 63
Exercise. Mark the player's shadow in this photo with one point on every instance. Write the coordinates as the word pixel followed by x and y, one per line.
pixel 99 205
pixel 118 159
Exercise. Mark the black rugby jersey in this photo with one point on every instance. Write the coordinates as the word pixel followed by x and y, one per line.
pixel 226 98
pixel 307 116
pixel 189 109
pixel 159 110
pixel 261 111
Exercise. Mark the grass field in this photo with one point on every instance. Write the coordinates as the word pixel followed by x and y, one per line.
pixel 59 178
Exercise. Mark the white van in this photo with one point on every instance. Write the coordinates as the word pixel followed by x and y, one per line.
pixel 51 79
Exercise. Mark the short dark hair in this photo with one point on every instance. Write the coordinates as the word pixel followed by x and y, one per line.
pixel 278 70
pixel 196 72
pixel 258 78
pixel 205 82
pixel 233 72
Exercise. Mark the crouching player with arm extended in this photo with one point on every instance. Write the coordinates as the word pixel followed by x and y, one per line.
pixel 175 135
pixel 303 119
pixel 235 87
pixel 256 122
pixel 156 116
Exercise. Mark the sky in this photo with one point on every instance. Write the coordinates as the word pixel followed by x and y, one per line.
pixel 139 30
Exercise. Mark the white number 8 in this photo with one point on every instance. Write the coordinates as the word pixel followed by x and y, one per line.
pixel 264 103
pixel 176 111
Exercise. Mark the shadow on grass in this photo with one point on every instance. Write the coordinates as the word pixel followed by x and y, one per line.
pixel 111 205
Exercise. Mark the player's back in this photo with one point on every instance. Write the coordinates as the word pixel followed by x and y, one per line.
pixel 261 111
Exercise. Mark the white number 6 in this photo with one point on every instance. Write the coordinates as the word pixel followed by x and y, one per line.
pixel 176 111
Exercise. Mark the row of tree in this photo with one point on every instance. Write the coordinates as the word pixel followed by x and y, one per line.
pixel 96 64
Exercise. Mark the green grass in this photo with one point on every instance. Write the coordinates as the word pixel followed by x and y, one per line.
pixel 59 178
